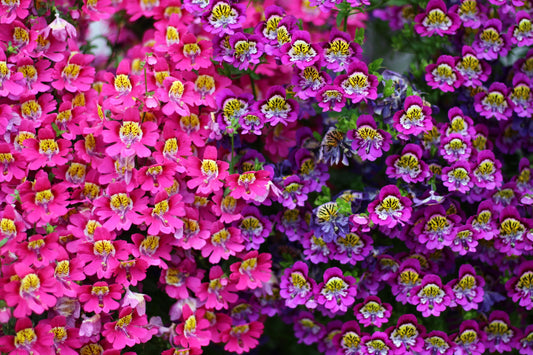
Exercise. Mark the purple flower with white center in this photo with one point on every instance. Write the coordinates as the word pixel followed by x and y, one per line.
pixel 470 340
pixel 459 123
pixel 277 109
pixel 468 288
pixel 294 192
pixel 291 223
pixel 407 277
pixel 387 266
pixel 313 173
pixel 501 336
pixel 408 165
pixel 473 70
pixel 463 240
pixel 340 51
pixel 437 343
pixel 484 222
pixel 367 140
pixel 247 49
pixel 377 344
pixel 357 84
pixel 415 118
pixel 300 51
pixel 435 226
pixel 252 122
pixel 373 312
pixel 455 147
pixel 525 65
pixel 491 42
pixel 316 250
pixel 495 102
pixel 326 345
pixel 525 341
pixel 352 247
pixel 222 50
pixel 296 287
pixel 328 222
pixel 232 107
pixel 480 140
pixel 487 171
pixel 224 17
pixel 443 75
pixel 306 329
pixel 331 98
pixel 521 33
pixel 255 228
pixel 520 286
pixel 337 292
pixel 268 28
pixel 431 297
pixel 282 33
pixel 308 81
pixel 458 177
pixel 521 95
pixel 505 196
pixel 348 340
pixel 470 12
pixel 390 208
pixel 513 237
pixel 437 20
pixel 407 335
pixel 524 179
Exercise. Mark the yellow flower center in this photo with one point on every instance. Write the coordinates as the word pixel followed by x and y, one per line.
pixel 48 147
pixel 220 237
pixel 8 227
pixel 190 123
pixel 91 190
pixel 209 168
pixel 42 198
pixel 149 245
pixel 31 109
pixel 173 277
pixel 28 71
pixel 91 349
pixel 122 83
pixel 176 90
pixel 20 36
pixel 29 284
pixel 160 208
pixel 62 269
pixel 71 72
pixel 25 337
pixel 103 248
pixel 350 340
pixel 172 35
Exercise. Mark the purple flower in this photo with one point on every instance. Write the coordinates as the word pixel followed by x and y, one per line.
pixel 408 166
pixel 331 98
pixel 437 342
pixel 494 103
pixel 329 222
pixel 443 75
pixel 357 84
pixel 340 51
pixel 436 225
pixel 372 312
pixel 247 49
pixel 487 171
pixel 437 20
pixel 471 13
pixel 484 222
pixel 326 345
pixel 377 344
pixel 224 17
pixel 521 34
pixel 348 340
pixel 313 173
pixel 520 287
pixel 469 340
pixel 491 42
pixel 368 141
pixel 232 107
pixel 337 292
pixel 294 192
pixel 524 179
pixel 525 346
pixel 306 329
pixel 431 297
pixel 459 123
pixel 390 208
pixel 473 70
pixel 521 95
pixel 277 109
pixel 254 227
pixel 352 247
pixel 501 336
pixel 407 277
pixel 455 147
pixel 458 177
pixel 297 287
pixel 463 240
pixel 407 335
pixel 307 82
pixel 300 51
pixel 316 250
pixel 513 237
pixel 468 288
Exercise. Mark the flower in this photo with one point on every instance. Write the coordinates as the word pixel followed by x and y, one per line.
pixel 435 227
pixel 193 331
pixel 337 292
pixel 521 33
pixel 28 339
pixel 474 70
pixel 377 344
pixel 495 102
pixel 367 140
pixel 296 287
pixel 252 271
pixel 501 336
pixel 407 335
pixel 348 340
pixel 207 174
pixel 390 208
pixel 223 242
pixel 409 165
pixel 307 329
pixel 372 312
pixel 444 75
pixel 437 342
pixel 458 177
pixel 250 185
pixel 469 339
pixel 300 51
pixel 276 108
pixel 437 20
pixel 223 17
pixel 471 13
pixel 357 84
pixel 164 216
pixel 129 329
pixel 520 286
pixel 241 338
pixel 45 150
pixel 490 42
pixel 218 292
pixel 340 51
pixel 513 237
pixel 486 170
pixel 431 297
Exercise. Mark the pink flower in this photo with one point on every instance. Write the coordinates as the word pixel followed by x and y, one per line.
pixel 223 243
pixel 391 208
pixel 217 293
pixel 437 20
pixel 337 292
pixel 178 94
pixel 120 209
pixel 35 75
pixel 152 249
pixel 28 339
pixel 74 74
pixel 207 174
pixel 195 230
pixel 253 271
pixel 177 279
pixel 122 88
pixel 129 329
pixel 164 216
pixel 357 84
pixel 242 338
pixel 66 338
pixel 61 29
pixel 12 164
pixel 46 150
pixel 97 10
pixel 193 331
pixel 250 185
pixel 100 297
pixel 11 10
pixel 372 311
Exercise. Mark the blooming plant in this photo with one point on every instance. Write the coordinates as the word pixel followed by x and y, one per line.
pixel 323 176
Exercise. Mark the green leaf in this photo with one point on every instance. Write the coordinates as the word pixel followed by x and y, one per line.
pixel 317 136
pixel 288 261
pixel 324 197
pixel 389 89
pixel 57 130
pixel 346 124
pixel 375 65
pixel 360 36
pixel 50 228
pixel 3 242
pixel 345 207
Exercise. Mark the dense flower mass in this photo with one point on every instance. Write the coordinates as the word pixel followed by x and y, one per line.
pixel 181 176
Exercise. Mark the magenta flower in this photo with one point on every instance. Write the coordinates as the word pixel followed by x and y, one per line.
pixel 38 110
pixel 474 70
pixel 377 344
pixel 193 53
pixel 431 297
pixel 407 277
pixel 66 338
pixel 195 230
pixel 521 95
pixel 316 250
pixel 30 290
pixel 520 286
pixel 487 170
pixel 463 240
pixel 455 147
pixel 130 137
pixel 250 185
pixel 10 81
pixel 340 51
pixel 337 292
pixel 120 208
pixel 223 17
pixel 253 271
pixel 12 10
pixel 367 140
pixel 390 208
pixel 458 177
pixel 222 243
pixel 471 14
pixel 242 338
pixel 521 33
pixel 129 329
pixel 276 108
pixel 152 249
pixel 407 335
pixel 75 73
pixel 437 342
pixel 308 81
pixel 409 165
pixel 513 237
pixel 12 164
pixel 207 174
pixel 372 312
pixel 296 287
pixel 495 102
pixel 525 345
pixel 491 42
pixel 247 50
pixel 164 216
pixel 121 88
pixel 178 94
pixel 35 75
pixel 468 288
pixel 300 51
pixel 501 336
pixel 45 150
pixel 193 331
pixel 178 278
pixel 218 292
pixel 437 20
pixel 348 340
pixel 357 84
pixel 443 75
pixel 331 98
pixel 470 339
pixel 28 339
pixel 435 227
pixel 415 118
pixel 306 329
pixel 352 247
